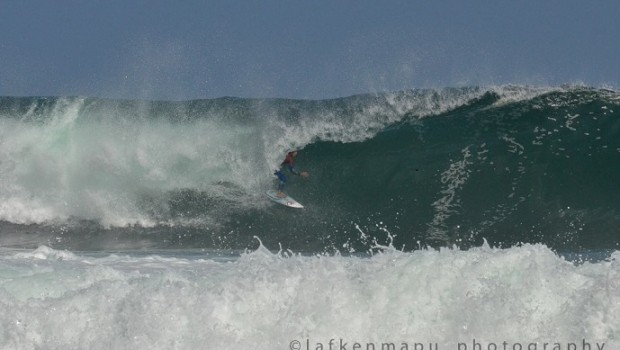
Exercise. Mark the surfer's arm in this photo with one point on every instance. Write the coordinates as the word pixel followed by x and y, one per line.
pixel 293 170
pixel 298 173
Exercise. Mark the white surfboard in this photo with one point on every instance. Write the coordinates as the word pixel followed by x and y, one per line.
pixel 287 201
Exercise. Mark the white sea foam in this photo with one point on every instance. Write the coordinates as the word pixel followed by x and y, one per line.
pixel 452 181
pixel 105 169
pixel 61 300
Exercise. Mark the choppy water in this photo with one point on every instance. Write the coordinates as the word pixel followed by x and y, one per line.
pixel 144 225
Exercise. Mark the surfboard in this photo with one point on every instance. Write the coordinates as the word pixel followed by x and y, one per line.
pixel 286 201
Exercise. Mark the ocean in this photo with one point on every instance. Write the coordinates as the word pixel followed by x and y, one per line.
pixel 477 218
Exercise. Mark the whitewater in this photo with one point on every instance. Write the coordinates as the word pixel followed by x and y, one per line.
pixel 457 218
pixel 263 300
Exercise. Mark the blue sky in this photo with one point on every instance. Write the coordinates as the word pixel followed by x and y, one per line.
pixel 300 49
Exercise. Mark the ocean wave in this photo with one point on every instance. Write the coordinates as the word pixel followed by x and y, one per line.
pixel 456 165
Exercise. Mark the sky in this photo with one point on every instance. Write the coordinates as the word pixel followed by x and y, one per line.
pixel 310 49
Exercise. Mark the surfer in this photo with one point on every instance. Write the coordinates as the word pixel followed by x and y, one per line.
pixel 288 163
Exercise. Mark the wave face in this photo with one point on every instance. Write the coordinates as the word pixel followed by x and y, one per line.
pixel 415 168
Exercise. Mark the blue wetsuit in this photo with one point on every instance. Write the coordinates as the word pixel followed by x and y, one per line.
pixel 282 179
